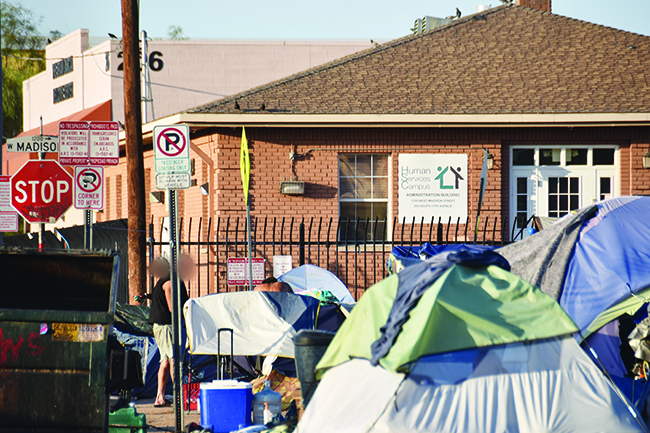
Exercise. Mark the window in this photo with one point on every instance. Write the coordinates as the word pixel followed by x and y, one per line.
pixel 563 195
pixel 363 196
pixel 522 202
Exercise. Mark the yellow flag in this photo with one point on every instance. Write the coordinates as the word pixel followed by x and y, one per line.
pixel 244 164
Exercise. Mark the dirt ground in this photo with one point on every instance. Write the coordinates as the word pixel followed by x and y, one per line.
pixel 162 418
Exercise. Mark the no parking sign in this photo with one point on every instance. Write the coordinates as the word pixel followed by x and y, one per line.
pixel 89 188
pixel 172 156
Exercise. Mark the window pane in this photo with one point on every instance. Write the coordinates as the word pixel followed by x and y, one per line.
pixel 576 157
pixel 364 185
pixel 549 156
pixel 380 165
pixel 347 221
pixel 522 203
pixel 521 219
pixel 347 211
pixel 380 210
pixel 552 185
pixel 564 185
pixel 347 187
pixel 605 185
pixel 574 199
pixel 522 185
pixel 575 185
pixel 552 202
pixel 363 165
pixel 364 210
pixel 564 202
pixel 380 187
pixel 523 157
pixel 346 165
pixel 603 156
pixel 552 214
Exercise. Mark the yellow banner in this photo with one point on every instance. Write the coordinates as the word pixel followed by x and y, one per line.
pixel 245 164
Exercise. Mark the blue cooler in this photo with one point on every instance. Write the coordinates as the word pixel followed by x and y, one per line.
pixel 226 405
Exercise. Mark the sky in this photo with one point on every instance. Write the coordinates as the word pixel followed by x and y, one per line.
pixel 380 20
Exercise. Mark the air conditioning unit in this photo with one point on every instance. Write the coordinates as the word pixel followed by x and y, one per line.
pixel 427 23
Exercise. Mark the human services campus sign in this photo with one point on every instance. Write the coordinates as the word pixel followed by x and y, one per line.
pixel 432 185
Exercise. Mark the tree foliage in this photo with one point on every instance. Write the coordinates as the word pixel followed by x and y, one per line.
pixel 22 57
pixel 176 33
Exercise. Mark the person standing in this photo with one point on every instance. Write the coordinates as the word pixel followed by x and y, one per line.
pixel 161 318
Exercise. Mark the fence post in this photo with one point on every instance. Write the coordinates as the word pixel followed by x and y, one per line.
pixel 301 244
pixel 151 240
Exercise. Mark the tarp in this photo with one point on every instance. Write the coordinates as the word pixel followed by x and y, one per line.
pixel 403 256
pixel 543 386
pixel 263 323
pixel 464 308
pixel 310 277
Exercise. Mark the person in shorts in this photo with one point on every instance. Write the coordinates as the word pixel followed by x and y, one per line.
pixel 161 318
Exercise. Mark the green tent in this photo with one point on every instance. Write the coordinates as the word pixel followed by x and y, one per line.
pixel 464 308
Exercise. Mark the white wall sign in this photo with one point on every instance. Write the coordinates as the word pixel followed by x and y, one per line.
pixel 281 265
pixel 432 185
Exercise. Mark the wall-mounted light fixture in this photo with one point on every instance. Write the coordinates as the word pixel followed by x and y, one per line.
pixel 646 159
pixel 157 197
pixel 292 187
pixel 205 188
pixel 490 161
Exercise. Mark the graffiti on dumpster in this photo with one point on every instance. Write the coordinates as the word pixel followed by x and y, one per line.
pixel 6 344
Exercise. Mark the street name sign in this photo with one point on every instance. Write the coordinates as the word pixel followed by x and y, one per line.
pixel 171 145
pixel 33 143
pixel 89 188
pixel 41 191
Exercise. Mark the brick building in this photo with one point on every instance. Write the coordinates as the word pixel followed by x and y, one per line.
pixel 561 105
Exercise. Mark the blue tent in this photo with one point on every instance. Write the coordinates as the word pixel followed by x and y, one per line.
pixel 596 263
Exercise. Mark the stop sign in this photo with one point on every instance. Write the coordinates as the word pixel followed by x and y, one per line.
pixel 41 191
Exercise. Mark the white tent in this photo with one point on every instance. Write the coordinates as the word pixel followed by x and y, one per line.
pixel 542 386
pixel 263 323
pixel 310 277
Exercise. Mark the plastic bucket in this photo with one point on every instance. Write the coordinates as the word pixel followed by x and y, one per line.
pixel 225 405
pixel 310 346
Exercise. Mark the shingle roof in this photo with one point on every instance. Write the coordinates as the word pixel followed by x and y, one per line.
pixel 509 59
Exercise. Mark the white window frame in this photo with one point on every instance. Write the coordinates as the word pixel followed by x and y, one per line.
pixel 387 200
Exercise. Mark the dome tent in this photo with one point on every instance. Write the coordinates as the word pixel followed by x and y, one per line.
pixel 443 346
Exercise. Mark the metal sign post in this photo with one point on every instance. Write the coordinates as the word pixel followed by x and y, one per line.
pixel 176 309
pixel 41 227
pixel 173 172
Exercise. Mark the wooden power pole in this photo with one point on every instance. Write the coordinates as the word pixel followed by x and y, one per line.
pixel 134 157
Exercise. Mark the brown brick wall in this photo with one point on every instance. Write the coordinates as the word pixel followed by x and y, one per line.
pixel 271 164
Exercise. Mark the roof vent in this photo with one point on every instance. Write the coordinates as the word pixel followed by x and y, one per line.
pixel 427 23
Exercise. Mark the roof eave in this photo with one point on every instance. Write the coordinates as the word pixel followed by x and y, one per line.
pixel 278 120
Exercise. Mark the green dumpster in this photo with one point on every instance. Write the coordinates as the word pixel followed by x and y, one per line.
pixel 56 312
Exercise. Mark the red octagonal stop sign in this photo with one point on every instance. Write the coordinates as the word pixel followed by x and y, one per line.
pixel 41 191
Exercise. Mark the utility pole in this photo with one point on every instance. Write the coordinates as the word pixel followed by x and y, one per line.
pixel 134 157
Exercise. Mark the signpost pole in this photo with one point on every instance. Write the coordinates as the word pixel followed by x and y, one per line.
pixel 88 230
pixel 176 309
pixel 250 251
pixel 41 228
